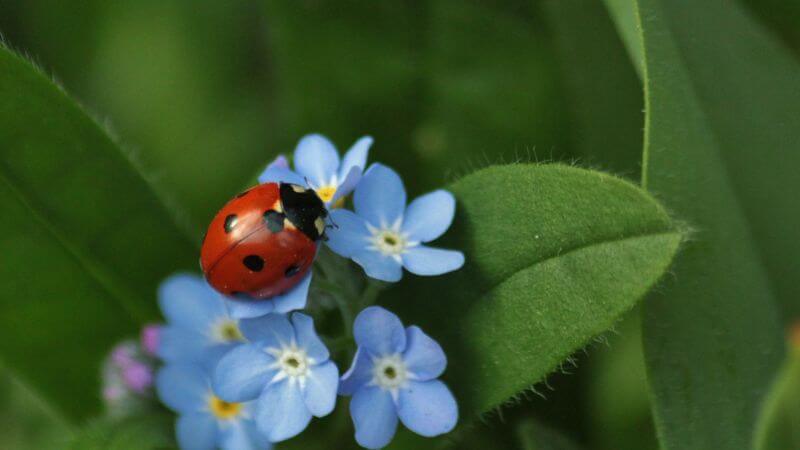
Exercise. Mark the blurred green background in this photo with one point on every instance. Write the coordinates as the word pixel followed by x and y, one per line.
pixel 204 93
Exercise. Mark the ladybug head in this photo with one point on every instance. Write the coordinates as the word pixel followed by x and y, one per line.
pixel 304 209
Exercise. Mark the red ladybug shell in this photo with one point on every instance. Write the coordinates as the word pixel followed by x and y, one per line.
pixel 252 248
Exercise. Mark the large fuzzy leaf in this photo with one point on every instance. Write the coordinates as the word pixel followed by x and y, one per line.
pixel 85 240
pixel 555 255
pixel 723 114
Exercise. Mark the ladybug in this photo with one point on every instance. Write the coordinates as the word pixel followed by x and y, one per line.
pixel 263 242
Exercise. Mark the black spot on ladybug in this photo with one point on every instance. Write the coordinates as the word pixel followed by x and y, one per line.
pixel 230 222
pixel 274 220
pixel 292 270
pixel 253 262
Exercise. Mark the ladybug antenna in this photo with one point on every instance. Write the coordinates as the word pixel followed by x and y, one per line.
pixel 332 224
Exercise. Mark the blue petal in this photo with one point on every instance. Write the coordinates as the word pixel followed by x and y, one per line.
pixel 244 309
pixel 242 435
pixel 242 373
pixel 307 338
pixel 379 331
pixel 320 389
pixel 356 156
pixel 280 175
pixel 178 343
pixel 347 184
pixel 316 158
pixel 379 266
pixel 359 373
pixel 374 417
pixel 429 216
pixel 424 357
pixel 270 331
pixel 380 197
pixel 281 412
pixel 184 388
pixel 349 234
pixel 188 301
pixel 280 162
pixel 423 260
pixel 196 432
pixel 296 298
pixel 427 408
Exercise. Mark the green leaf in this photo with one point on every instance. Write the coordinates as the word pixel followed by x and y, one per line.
pixel 723 114
pixel 779 427
pixel 626 20
pixel 150 432
pixel 555 255
pixel 533 435
pixel 85 240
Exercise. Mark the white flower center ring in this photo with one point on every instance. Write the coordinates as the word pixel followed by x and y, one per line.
pixel 291 362
pixel 389 241
pixel 389 372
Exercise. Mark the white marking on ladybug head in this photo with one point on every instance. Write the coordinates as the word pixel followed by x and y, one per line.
pixel 299 189
pixel 320 225
pixel 288 225
pixel 277 206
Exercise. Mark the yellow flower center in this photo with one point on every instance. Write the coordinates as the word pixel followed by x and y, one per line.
pixel 326 193
pixel 223 410
pixel 228 331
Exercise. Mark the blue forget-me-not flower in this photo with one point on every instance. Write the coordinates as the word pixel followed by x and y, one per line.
pixel 383 235
pixel 394 375
pixel 317 164
pixel 205 421
pixel 286 368
pixel 199 327
pixel 295 298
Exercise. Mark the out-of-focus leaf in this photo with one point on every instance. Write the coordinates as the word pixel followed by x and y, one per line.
pixel 555 255
pixel 626 21
pixel 26 421
pixel 151 432
pixel 782 17
pixel 347 69
pixel 605 96
pixel 186 84
pixel 492 91
pixel 535 436
pixel 723 114
pixel 619 413
pixel 85 240
pixel 779 427
pixel 409 74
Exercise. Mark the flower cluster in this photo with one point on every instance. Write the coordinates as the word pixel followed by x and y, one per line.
pixel 127 375
pixel 242 374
